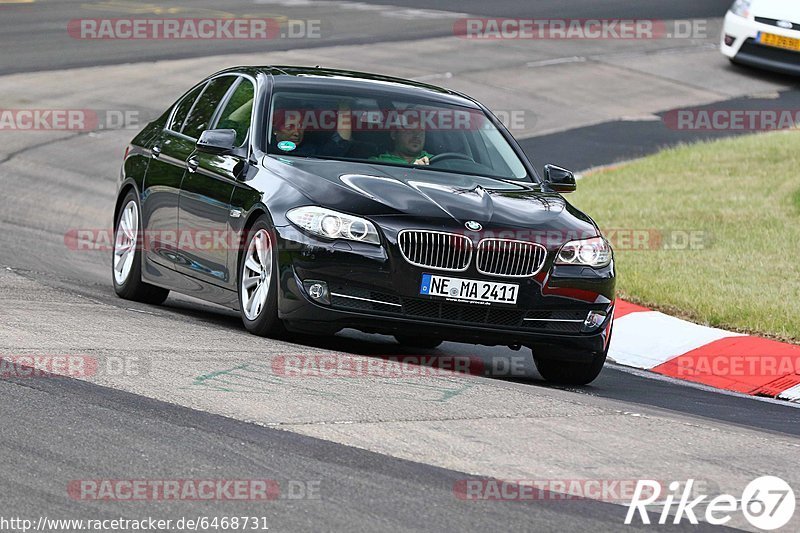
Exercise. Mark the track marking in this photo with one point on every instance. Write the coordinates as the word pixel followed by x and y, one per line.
pixel 427 77
pixel 557 61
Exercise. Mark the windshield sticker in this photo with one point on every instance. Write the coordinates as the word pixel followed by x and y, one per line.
pixel 286 146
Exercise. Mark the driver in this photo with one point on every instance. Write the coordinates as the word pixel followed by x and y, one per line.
pixel 408 144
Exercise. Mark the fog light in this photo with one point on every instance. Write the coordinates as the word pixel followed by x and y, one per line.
pixel 317 291
pixel 729 40
pixel 593 321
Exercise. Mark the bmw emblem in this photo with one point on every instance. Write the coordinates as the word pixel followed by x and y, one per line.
pixel 473 226
pixel 785 24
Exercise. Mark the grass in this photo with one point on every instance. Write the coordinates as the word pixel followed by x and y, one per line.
pixel 742 198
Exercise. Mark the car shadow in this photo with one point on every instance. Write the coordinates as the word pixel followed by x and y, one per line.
pixel 500 363
pixel 769 76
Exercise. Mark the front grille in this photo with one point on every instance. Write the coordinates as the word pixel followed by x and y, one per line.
pixel 774 22
pixel 501 257
pixel 434 249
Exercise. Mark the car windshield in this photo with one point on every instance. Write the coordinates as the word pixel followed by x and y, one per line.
pixel 387 129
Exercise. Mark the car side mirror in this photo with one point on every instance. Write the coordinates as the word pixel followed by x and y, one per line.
pixel 217 141
pixel 559 179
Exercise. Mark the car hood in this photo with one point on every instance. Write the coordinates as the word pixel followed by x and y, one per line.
pixel 438 197
pixel 776 9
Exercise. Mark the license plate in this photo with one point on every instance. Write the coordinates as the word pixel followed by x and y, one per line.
pixel 779 41
pixel 457 289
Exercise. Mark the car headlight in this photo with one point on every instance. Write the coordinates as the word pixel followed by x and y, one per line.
pixel 741 8
pixel 594 252
pixel 333 225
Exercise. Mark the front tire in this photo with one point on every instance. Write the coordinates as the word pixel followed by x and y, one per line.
pixel 258 282
pixel 126 260
pixel 570 372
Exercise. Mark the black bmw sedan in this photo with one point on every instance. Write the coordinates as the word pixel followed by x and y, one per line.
pixel 312 200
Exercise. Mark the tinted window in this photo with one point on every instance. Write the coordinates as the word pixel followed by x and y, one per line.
pixel 183 109
pixel 237 112
pixel 201 114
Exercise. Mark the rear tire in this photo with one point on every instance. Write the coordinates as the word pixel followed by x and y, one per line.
pixel 258 282
pixel 418 342
pixel 126 259
pixel 570 372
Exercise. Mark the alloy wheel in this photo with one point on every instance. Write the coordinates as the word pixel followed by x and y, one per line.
pixel 257 274
pixel 125 242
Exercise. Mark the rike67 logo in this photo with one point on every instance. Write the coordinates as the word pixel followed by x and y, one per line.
pixel 768 503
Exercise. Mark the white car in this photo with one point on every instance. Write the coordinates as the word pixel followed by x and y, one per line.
pixel 764 33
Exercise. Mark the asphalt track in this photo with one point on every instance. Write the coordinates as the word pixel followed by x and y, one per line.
pixel 348 489
pixel 34 33
pixel 621 140
pixel 643 9
pixel 386 454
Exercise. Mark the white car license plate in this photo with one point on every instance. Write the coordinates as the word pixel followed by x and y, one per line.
pixel 488 292
pixel 779 41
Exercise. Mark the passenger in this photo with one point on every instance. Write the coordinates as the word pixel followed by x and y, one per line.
pixel 289 128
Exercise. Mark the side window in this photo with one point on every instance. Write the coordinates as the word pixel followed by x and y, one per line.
pixel 183 109
pixel 238 110
pixel 201 114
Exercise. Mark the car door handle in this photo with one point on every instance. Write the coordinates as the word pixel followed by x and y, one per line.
pixel 192 163
pixel 155 152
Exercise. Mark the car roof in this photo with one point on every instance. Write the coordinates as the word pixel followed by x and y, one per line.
pixel 294 76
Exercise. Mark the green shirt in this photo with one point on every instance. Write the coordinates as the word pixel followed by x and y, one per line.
pixel 392 158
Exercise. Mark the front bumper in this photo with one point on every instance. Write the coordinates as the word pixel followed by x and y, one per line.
pixel 373 289
pixel 746 49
